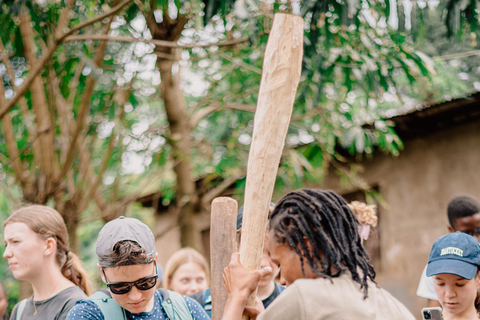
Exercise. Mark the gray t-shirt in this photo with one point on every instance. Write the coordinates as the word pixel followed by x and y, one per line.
pixel 54 308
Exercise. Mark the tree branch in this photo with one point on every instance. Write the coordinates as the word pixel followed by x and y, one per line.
pixel 31 143
pixel 46 57
pixel 457 55
pixel 8 65
pixel 308 115
pixel 47 162
pixel 159 43
pixel 87 173
pixel 9 136
pixel 217 191
pixel 85 105
pixel 355 180
pixel 62 22
pixel 94 19
pixel 162 55
pixel 74 85
pixel 240 63
pixel 12 146
pixel 64 110
pixel 111 144
pixel 4 159
pixel 22 101
pixel 241 107
pixel 202 113
pixel 26 85
pixel 63 114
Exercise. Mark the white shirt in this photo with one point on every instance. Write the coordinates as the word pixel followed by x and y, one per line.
pixel 426 288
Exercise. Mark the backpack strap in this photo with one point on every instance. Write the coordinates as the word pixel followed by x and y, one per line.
pixel 21 307
pixel 175 306
pixel 110 309
pixel 207 301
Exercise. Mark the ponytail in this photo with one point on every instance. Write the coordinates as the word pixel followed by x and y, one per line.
pixel 73 271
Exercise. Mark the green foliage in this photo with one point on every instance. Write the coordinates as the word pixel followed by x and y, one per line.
pixel 456 74
pixel 214 7
pixel 460 13
pixel 349 64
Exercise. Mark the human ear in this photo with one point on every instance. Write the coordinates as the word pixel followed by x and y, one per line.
pixel 450 229
pixel 50 246
pixel 101 273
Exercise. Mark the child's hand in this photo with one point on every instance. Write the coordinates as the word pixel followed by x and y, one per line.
pixel 240 282
pixel 253 312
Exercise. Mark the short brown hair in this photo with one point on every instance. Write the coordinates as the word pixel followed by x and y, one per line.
pixel 127 253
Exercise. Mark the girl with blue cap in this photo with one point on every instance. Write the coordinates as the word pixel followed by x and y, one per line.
pixel 453 263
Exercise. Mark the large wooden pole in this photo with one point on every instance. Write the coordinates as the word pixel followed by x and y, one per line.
pixel 222 244
pixel 280 78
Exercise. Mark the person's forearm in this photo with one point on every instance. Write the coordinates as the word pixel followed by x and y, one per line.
pixel 234 308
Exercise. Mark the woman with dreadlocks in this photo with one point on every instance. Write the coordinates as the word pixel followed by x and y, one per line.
pixel 313 237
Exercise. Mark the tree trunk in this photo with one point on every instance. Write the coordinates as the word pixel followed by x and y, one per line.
pixel 47 163
pixel 71 215
pixel 180 134
pixel 180 130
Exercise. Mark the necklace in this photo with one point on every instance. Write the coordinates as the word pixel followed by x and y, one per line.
pixel 33 300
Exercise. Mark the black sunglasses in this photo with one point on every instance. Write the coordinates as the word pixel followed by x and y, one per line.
pixel 125 287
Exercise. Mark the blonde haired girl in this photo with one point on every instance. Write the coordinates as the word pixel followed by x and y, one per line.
pixel 186 272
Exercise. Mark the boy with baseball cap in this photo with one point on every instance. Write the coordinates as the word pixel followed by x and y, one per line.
pixel 453 264
pixel 463 213
pixel 127 264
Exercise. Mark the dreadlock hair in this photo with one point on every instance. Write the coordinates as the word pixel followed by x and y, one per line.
pixel 462 206
pixel 323 219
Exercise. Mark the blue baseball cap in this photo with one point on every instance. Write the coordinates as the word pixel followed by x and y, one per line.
pixel 456 253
